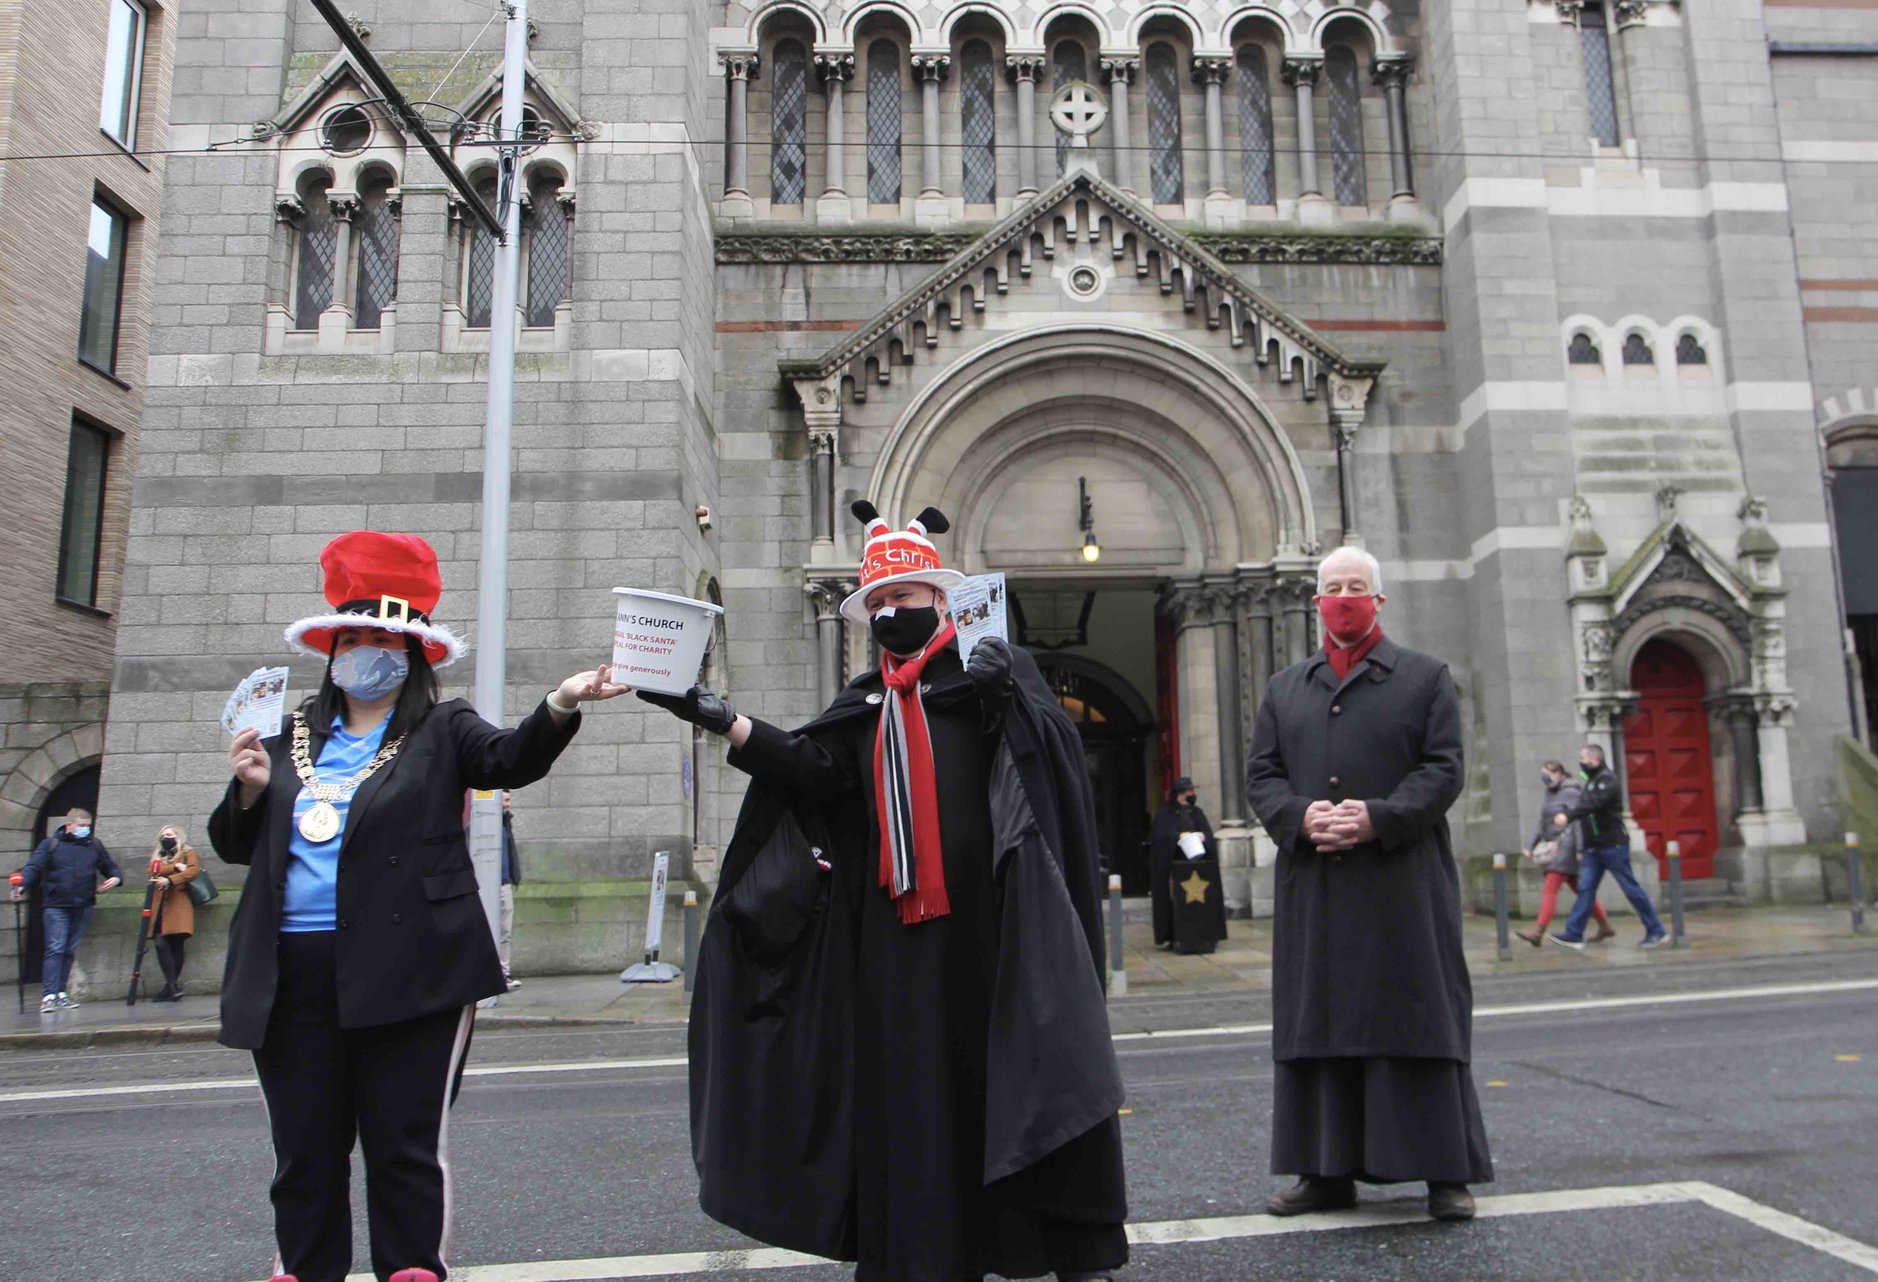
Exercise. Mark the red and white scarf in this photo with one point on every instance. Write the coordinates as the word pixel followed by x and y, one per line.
pixel 907 792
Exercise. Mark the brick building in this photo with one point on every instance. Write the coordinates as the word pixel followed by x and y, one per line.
pixel 84 91
pixel 1554 306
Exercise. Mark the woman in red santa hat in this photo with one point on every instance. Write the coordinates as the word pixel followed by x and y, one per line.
pixel 359 949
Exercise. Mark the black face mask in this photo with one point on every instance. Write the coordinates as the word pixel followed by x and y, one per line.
pixel 907 629
pixel 169 843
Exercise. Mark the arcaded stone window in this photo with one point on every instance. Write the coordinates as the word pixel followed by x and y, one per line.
pixel 1255 127
pixel 883 123
pixel 1600 87
pixel 978 128
pixel 1164 168
pixel 1345 88
pixel 1637 351
pixel 479 259
pixel 1583 351
pixel 316 237
pixel 548 244
pixel 375 237
pixel 1069 62
pixel 789 124
pixel 1690 352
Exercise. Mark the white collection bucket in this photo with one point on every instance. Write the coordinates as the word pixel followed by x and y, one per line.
pixel 659 641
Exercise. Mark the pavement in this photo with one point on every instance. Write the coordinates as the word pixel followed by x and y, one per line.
pixel 1241 964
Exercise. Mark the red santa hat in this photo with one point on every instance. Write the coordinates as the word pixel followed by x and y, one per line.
pixel 898 556
pixel 375 580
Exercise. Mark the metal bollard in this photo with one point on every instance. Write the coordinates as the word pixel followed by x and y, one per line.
pixel 691 938
pixel 1677 939
pixel 1500 925
pixel 1855 882
pixel 1118 969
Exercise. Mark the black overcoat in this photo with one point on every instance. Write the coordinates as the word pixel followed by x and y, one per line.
pixel 772 1032
pixel 1366 944
pixel 1164 852
pixel 413 939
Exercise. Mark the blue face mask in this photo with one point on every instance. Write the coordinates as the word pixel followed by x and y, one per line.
pixel 82 830
pixel 370 672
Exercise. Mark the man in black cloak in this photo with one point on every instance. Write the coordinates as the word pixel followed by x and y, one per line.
pixel 1180 814
pixel 899 1041
pixel 1356 757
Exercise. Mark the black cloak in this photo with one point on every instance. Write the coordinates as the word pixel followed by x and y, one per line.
pixel 1164 853
pixel 788 1013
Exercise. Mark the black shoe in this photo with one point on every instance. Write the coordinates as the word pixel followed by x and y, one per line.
pixel 1314 1193
pixel 1450 1203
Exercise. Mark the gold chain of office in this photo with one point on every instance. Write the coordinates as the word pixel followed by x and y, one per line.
pixel 321 823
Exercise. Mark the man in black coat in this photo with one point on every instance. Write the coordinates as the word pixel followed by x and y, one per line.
pixel 70 862
pixel 899 1046
pixel 1356 758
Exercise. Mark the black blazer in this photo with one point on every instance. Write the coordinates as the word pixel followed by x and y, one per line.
pixel 412 936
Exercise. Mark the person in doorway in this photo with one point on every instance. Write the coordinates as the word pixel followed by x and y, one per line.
pixel 1172 822
pixel 1557 849
pixel 173 865
pixel 75 867
pixel 1599 812
pixel 1356 758
pixel 511 878
pixel 360 948
pixel 900 1050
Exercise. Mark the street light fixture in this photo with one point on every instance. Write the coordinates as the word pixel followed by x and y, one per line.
pixel 1085 518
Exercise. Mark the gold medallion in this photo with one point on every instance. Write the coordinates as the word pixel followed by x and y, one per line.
pixel 320 824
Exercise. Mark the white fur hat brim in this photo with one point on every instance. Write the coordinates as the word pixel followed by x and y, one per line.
pixel 314 635
pixel 854 609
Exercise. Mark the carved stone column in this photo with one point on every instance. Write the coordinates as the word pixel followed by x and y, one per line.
pixel 826 595
pixel 1258 649
pixel 1120 72
pixel 336 321
pixel 1210 74
pixel 1744 739
pixel 822 493
pixel 1302 75
pixel 1224 600
pixel 1294 595
pixel 1392 74
pixel 1191 607
pixel 930 69
pixel 1025 68
pixel 836 70
pixel 741 69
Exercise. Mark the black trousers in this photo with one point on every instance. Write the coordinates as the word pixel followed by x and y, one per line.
pixel 389 1087
pixel 169 951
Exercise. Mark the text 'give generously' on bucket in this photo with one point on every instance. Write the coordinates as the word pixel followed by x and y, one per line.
pixel 659 641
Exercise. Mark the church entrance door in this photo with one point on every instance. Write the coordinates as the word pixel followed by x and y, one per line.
pixel 1669 767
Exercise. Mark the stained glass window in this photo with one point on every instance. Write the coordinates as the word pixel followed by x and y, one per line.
pixel 313 284
pixel 548 244
pixel 1069 62
pixel 977 84
pixel 1600 89
pixel 375 228
pixel 789 124
pixel 1346 125
pixel 883 123
pixel 479 278
pixel 1164 124
pixel 1255 127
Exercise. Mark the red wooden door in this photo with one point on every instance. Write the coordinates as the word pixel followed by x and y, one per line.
pixel 1667 760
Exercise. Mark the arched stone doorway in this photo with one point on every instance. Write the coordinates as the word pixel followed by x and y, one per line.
pixel 1116 725
pixel 1668 758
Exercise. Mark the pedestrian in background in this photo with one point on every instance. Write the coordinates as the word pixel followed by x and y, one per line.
pixel 1600 812
pixel 511 878
pixel 1181 814
pixel 72 861
pixel 174 864
pixel 1356 759
pixel 1556 849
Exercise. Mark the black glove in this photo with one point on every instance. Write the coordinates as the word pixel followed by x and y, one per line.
pixel 698 706
pixel 990 671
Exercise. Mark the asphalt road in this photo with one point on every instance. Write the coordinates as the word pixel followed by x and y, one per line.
pixel 1723 1138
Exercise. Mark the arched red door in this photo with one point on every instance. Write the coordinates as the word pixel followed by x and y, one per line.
pixel 1667 760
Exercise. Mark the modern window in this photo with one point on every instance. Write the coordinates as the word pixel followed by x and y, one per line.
pixel 104 287
pixel 978 129
pixel 1255 127
pixel 550 233
pixel 314 251
pixel 1346 125
pixel 479 271
pixel 1069 62
pixel 82 529
pixel 1600 87
pixel 123 71
pixel 1164 124
pixel 789 125
pixel 375 231
pixel 883 123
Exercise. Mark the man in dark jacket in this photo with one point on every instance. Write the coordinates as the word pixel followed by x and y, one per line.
pixel 1356 758
pixel 900 1052
pixel 1600 815
pixel 71 861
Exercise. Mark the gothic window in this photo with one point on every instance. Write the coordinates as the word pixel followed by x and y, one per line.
pixel 1583 351
pixel 1164 124
pixel 479 272
pixel 375 230
pixel 1600 88
pixel 883 123
pixel 1346 125
pixel 789 124
pixel 1068 64
pixel 313 255
pixel 549 237
pixel 978 131
pixel 1255 127
pixel 1689 351
pixel 1637 351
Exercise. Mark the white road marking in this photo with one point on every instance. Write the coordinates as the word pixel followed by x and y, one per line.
pixel 1824 987
pixel 1227 1228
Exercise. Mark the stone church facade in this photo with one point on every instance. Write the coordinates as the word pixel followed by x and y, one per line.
pixel 1517 296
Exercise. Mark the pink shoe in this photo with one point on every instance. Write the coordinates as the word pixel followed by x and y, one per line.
pixel 414 1275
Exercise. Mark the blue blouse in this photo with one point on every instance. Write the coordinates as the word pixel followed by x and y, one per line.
pixel 312 899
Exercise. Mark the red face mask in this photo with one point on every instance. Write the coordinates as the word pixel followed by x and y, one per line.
pixel 1348 619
